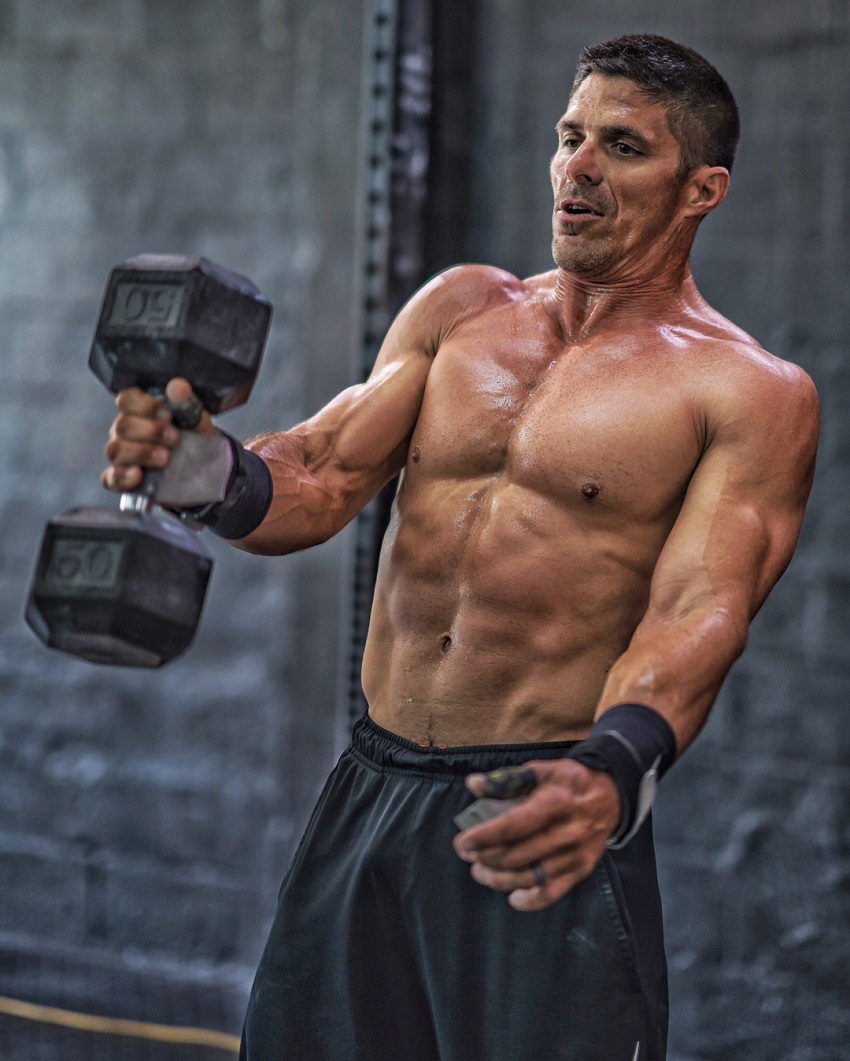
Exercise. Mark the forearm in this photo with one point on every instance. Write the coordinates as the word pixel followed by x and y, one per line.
pixel 654 703
pixel 327 469
pixel 312 499
pixel 676 665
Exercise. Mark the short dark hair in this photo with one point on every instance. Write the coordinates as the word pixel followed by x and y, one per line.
pixel 701 110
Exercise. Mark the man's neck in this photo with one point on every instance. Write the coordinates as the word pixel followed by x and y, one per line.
pixel 656 288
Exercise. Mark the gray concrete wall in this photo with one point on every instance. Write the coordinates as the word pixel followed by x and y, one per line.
pixel 155 811
pixel 754 823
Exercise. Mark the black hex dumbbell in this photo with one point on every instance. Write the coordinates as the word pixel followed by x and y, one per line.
pixel 127 586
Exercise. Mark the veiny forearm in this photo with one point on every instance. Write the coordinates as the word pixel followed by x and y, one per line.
pixel 314 496
pixel 677 664
pixel 328 468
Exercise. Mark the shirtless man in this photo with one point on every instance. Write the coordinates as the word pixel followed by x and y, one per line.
pixel 601 480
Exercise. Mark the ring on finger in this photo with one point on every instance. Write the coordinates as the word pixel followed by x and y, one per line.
pixel 539 874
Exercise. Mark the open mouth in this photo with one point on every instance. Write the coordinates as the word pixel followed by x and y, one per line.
pixel 575 216
pixel 574 210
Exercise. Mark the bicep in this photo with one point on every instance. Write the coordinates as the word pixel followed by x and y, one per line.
pixel 340 457
pixel 363 432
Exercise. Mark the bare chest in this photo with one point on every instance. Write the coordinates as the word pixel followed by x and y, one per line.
pixel 598 425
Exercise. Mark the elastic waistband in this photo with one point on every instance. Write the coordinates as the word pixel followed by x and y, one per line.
pixel 387 750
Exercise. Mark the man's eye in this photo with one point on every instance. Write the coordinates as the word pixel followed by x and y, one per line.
pixel 570 142
pixel 624 149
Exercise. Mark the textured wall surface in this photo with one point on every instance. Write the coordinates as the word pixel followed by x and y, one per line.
pixel 754 823
pixel 155 811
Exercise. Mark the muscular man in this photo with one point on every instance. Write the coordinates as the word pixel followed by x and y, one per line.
pixel 601 480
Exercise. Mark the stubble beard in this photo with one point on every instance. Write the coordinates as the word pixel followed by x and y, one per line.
pixel 575 255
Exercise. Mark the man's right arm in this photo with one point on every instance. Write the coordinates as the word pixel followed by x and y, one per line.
pixel 325 470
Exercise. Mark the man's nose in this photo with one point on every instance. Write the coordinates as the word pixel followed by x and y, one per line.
pixel 583 165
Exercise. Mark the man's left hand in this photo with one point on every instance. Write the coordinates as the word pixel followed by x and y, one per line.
pixel 539 849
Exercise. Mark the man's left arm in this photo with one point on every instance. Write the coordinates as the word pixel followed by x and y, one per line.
pixel 734 537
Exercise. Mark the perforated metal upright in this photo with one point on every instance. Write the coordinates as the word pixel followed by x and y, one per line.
pixel 393 202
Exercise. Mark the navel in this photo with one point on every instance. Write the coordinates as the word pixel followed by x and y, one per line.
pixel 446 642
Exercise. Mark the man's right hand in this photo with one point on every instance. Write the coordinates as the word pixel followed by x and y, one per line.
pixel 143 436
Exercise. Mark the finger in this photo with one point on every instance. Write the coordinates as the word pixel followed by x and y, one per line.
pixel 568 840
pixel 541 896
pixel 555 888
pixel 128 461
pixel 122 480
pixel 181 405
pixel 178 390
pixel 539 885
pixel 139 403
pixel 508 782
pixel 563 836
pixel 538 812
pixel 533 876
pixel 145 452
pixel 130 427
pixel 182 398
pixel 126 477
pixel 553 878
pixel 530 876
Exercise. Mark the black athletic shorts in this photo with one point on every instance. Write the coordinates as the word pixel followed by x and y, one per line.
pixel 383 948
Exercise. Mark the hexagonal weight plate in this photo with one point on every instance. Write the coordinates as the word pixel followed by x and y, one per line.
pixel 168 315
pixel 125 588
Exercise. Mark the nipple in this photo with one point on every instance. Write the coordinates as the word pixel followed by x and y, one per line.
pixel 415 455
pixel 589 491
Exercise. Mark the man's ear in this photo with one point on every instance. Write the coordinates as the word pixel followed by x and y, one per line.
pixel 705 189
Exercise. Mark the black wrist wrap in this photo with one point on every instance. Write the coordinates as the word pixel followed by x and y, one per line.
pixel 246 499
pixel 635 745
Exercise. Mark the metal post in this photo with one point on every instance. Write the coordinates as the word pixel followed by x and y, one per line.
pixel 396 156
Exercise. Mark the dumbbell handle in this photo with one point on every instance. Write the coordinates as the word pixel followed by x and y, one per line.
pixel 138 502
pixel 185 415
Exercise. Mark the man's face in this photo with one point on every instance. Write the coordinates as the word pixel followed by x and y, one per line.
pixel 615 181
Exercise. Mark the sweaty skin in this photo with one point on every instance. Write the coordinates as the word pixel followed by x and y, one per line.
pixel 601 480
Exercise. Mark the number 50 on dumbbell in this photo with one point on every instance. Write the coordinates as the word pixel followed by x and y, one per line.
pixel 126 586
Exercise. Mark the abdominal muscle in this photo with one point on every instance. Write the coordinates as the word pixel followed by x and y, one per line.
pixel 498 614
